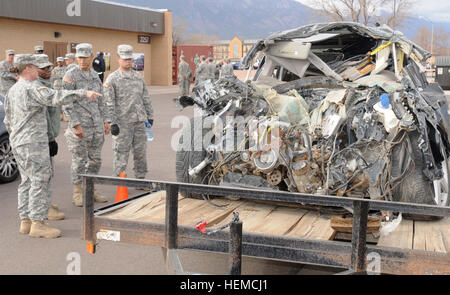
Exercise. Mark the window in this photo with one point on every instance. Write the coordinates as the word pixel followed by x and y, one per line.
pixel 235 50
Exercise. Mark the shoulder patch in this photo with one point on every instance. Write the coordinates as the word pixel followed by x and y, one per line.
pixel 106 85
pixel 68 80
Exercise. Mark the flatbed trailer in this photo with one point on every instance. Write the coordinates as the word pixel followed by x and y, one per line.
pixel 168 221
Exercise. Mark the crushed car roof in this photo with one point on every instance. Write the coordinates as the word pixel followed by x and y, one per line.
pixel 383 32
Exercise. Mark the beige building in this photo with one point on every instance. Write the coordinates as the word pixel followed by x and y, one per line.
pixel 60 25
pixel 235 49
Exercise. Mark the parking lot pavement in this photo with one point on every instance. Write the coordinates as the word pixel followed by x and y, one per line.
pixel 20 254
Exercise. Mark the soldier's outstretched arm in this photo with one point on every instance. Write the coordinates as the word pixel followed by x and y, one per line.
pixel 50 97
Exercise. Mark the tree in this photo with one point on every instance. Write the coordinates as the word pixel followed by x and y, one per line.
pixel 441 40
pixel 401 10
pixel 391 12
pixel 179 30
pixel 201 38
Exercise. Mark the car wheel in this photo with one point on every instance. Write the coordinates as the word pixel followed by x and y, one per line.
pixel 8 166
pixel 416 187
pixel 185 160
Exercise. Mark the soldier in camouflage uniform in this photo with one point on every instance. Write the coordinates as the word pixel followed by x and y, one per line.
pixel 129 103
pixel 201 73
pixel 70 61
pixel 211 69
pixel 7 78
pixel 58 74
pixel 227 69
pixel 53 124
pixel 88 122
pixel 38 49
pixel 25 120
pixel 184 77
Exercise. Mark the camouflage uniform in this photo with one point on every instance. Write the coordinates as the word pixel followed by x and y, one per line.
pixel 57 77
pixel 184 78
pixel 211 70
pixel 25 120
pixel 7 79
pixel 72 65
pixel 129 104
pixel 201 73
pixel 86 151
pixel 227 70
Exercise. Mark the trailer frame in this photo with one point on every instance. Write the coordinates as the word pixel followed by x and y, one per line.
pixel 171 236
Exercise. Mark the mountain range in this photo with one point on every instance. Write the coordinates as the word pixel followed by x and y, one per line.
pixel 248 19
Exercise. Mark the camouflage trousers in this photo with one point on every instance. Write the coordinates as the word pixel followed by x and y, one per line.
pixel 36 171
pixel 132 137
pixel 184 86
pixel 86 151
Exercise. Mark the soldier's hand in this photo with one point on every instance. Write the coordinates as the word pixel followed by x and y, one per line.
pixel 107 127
pixel 115 130
pixel 92 95
pixel 78 130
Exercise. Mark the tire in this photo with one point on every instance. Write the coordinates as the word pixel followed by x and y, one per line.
pixel 191 158
pixel 415 187
pixel 8 166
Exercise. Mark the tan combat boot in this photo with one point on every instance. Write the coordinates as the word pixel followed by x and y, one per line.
pixel 99 198
pixel 25 225
pixel 77 198
pixel 40 229
pixel 54 213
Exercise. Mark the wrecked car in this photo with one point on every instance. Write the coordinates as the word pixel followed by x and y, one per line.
pixel 333 109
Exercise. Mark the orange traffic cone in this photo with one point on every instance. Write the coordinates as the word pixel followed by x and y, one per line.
pixel 122 191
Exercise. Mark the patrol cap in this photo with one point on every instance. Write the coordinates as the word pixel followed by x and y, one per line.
pixel 42 60
pixel 60 59
pixel 84 50
pixel 202 57
pixel 9 51
pixel 38 48
pixel 25 59
pixel 182 56
pixel 69 56
pixel 210 59
pixel 125 51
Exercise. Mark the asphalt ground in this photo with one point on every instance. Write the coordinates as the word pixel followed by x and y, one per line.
pixel 21 254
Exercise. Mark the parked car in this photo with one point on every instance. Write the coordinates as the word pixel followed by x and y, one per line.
pixel 338 114
pixel 8 166
pixel 236 65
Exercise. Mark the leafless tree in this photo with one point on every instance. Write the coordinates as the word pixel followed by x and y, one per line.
pixel 391 12
pixel 201 38
pixel 179 30
pixel 400 10
pixel 441 39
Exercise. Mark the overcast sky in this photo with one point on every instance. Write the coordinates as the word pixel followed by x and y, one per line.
pixel 436 10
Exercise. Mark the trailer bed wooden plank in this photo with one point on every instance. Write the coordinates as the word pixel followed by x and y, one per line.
pixel 432 236
pixel 401 237
pixel 279 221
pixel 313 226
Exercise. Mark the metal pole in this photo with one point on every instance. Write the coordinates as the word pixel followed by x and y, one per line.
pixel 171 216
pixel 359 231
pixel 235 248
pixel 432 37
pixel 88 210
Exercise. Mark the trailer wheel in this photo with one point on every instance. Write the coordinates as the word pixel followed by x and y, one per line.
pixel 187 159
pixel 416 187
